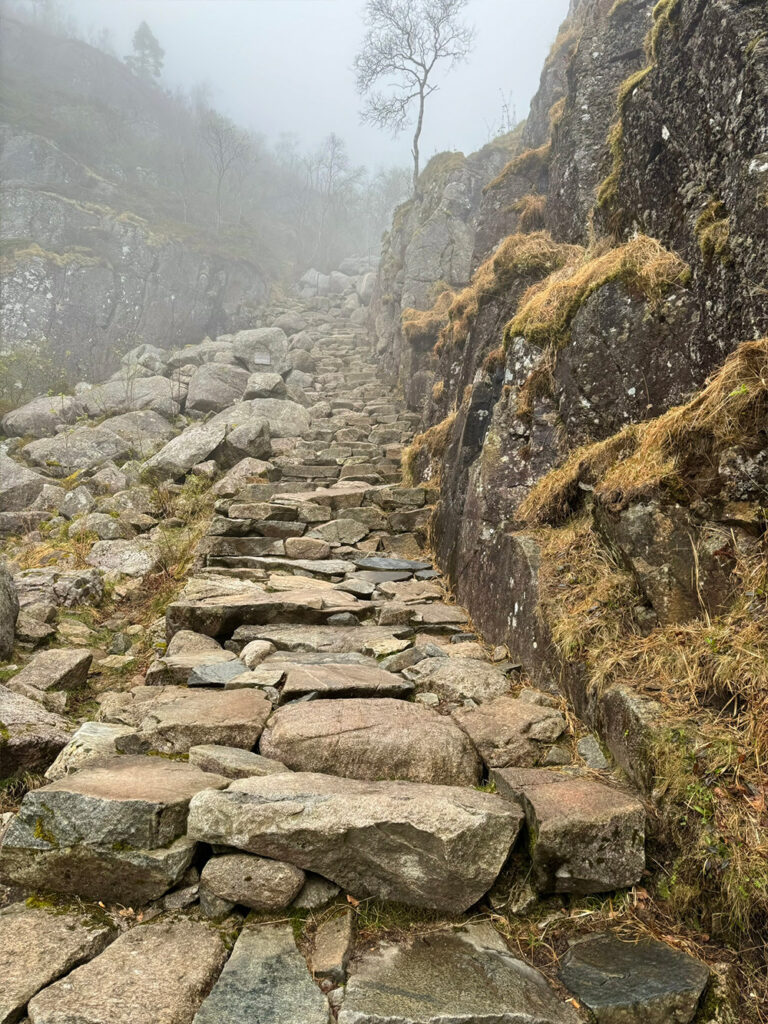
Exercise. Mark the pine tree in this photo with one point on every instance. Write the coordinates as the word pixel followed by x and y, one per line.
pixel 146 61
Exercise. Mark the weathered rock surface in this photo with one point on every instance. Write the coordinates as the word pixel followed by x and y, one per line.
pixel 507 731
pixel 432 846
pixel 254 882
pixel 93 741
pixel 174 962
pixel 461 978
pixel 332 947
pixel 265 979
pixel 172 719
pixel 233 762
pixel 643 982
pixel 55 670
pixel 9 612
pixel 19 486
pixel 38 946
pixel 584 837
pixel 466 679
pixel 30 737
pixel 371 738
pixel 338 680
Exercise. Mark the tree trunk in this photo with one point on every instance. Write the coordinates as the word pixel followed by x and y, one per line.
pixel 416 137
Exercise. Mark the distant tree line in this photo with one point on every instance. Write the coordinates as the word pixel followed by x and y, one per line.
pixel 184 165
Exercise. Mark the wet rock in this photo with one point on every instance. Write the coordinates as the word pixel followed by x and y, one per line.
pixel 37 946
pixel 371 738
pixel 639 982
pixel 174 962
pixel 233 762
pixel 30 737
pixel 265 979
pixel 461 977
pixel 507 731
pixel 431 846
pixel 56 670
pixel 254 882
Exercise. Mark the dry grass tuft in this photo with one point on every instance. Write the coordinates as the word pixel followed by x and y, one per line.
pixel 518 256
pixel 664 17
pixel 608 189
pixel 679 447
pixel 538 384
pixel 531 210
pixel 432 442
pixel 530 165
pixel 547 309
pixel 422 327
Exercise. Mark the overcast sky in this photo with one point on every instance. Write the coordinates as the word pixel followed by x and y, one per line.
pixel 286 65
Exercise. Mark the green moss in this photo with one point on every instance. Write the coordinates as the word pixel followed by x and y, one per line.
pixel 440 168
pixel 713 231
pixel 486 787
pixel 41 832
pixel 664 19
pixel 607 191
pixel 5 734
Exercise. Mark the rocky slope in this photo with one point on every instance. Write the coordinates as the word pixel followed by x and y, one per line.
pixel 241 695
pixel 593 406
pixel 92 261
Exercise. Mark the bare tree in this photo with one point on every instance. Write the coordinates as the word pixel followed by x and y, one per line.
pixel 404 43
pixel 227 145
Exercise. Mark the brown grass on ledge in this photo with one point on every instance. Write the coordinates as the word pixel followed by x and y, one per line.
pixel 433 441
pixel 422 327
pixel 531 210
pixel 547 309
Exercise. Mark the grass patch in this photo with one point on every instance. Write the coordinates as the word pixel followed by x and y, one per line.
pixel 607 191
pixel 518 256
pixel 432 444
pixel 422 327
pixel 664 19
pixel 531 211
pixel 547 309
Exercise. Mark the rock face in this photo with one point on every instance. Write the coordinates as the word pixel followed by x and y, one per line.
pixel 174 961
pixel 30 737
pixel 460 977
pixel 371 738
pixel 362 835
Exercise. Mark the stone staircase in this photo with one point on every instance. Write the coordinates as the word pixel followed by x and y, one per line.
pixel 324 731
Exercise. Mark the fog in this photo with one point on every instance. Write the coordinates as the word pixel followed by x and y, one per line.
pixel 284 66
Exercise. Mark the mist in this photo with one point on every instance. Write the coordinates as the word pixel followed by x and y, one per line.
pixel 285 66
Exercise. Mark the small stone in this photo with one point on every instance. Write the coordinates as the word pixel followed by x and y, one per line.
pixel 589 749
pixel 332 947
pixel 233 762
pixel 212 907
pixel 254 882
pixel 316 893
pixel 255 652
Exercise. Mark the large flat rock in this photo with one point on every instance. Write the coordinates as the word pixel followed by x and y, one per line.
pixel 339 680
pixel 30 736
pixel 371 738
pixel 155 974
pixel 173 719
pixel 114 830
pixel 37 946
pixel 328 639
pixel 19 486
pixel 266 981
pixel 460 679
pixel 221 615
pixel 430 846
pixel 642 982
pixel 450 978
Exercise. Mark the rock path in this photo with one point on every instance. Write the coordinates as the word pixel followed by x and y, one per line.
pixel 323 724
